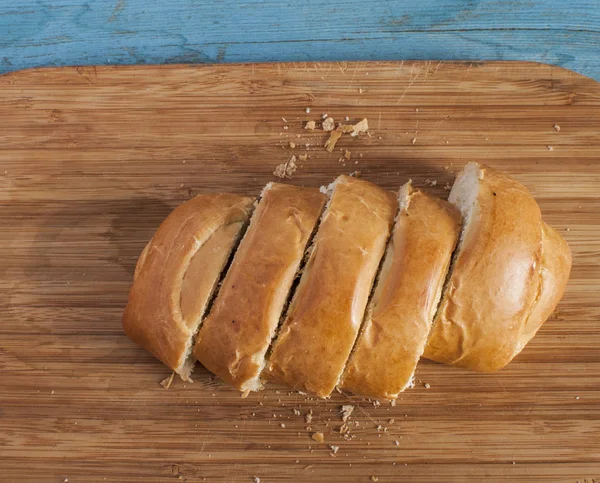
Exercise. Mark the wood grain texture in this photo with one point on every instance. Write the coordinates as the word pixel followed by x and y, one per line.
pixel 36 33
pixel 93 159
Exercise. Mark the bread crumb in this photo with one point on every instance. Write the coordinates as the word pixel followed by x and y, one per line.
pixel 334 449
pixel 414 140
pixel 550 148
pixel 361 126
pixel 556 127
pixel 324 116
pixel 346 119
pixel 286 170
pixel 347 154
pixel 308 416
pixel 374 478
pixel 393 402
pixel 346 411
pixel 427 385
pixel 310 125
pixel 328 124
pixel 577 397
pixel 307 110
pixel 285 128
pixel 292 145
pixel 447 187
pixel 282 425
pixel 303 157
pixel 391 421
pixel 376 403
pixel 256 479
pixel 318 437
pixel 429 182
pixel 166 383
pixel 333 139
pixel 360 91
pixel 297 412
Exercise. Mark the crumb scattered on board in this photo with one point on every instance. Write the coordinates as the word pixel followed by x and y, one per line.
pixel 286 170
pixel 328 124
pixel 308 416
pixel 352 129
pixel 318 437
pixel 556 127
pixel 346 412
pixel 430 182
pixel 166 383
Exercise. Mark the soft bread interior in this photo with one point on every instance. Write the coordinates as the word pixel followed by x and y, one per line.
pixel 464 195
pixel 465 191
pixel 197 288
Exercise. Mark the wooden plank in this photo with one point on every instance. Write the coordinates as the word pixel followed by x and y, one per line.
pixel 92 160
pixel 67 32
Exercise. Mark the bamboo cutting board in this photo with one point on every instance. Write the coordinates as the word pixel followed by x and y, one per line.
pixel 93 158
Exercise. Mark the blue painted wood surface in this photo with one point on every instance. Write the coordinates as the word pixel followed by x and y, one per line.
pixel 66 32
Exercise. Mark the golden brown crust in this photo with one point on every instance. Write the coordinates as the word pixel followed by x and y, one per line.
pixel 235 336
pixel 495 276
pixel 153 317
pixel 555 270
pixel 326 312
pixel 408 290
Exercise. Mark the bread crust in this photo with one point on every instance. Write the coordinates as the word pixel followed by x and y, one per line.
pixel 234 338
pixel 327 309
pixel 153 317
pixel 554 275
pixel 408 290
pixel 495 276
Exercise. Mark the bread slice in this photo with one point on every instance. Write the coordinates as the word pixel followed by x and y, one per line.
pixel 177 274
pixel 234 338
pixel 327 309
pixel 405 298
pixel 495 275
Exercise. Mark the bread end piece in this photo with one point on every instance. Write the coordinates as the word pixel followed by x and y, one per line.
pixel 554 274
pixel 177 274
pixel 495 273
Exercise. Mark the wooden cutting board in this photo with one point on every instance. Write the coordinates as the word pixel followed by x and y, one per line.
pixel 93 158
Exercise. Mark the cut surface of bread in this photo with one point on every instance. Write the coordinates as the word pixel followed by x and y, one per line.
pixel 327 309
pixel 177 273
pixel 495 274
pixel 235 336
pixel 405 298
